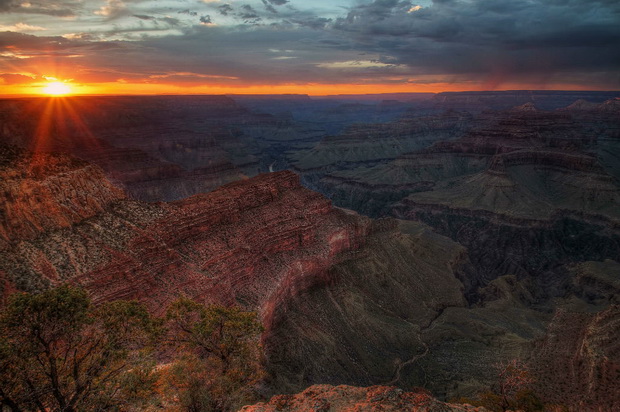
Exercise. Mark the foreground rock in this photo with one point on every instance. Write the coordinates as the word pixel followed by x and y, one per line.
pixel 324 398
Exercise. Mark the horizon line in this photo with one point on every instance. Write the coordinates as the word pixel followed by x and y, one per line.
pixel 41 95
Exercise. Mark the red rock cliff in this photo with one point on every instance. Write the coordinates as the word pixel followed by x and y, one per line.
pixel 247 242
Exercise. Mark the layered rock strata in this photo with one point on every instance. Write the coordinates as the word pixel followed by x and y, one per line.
pixel 343 298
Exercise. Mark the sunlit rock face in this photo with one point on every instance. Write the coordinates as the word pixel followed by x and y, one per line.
pixel 41 193
pixel 196 238
pixel 348 399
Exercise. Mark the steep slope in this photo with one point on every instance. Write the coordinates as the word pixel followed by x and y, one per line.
pixel 267 244
pixel 196 246
pixel 365 323
pixel 41 193
pixel 343 298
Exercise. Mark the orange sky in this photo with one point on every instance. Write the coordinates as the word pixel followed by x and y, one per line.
pixel 38 89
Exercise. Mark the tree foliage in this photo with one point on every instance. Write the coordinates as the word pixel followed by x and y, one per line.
pixel 220 350
pixel 60 353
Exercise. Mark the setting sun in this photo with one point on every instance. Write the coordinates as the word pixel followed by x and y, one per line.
pixel 57 89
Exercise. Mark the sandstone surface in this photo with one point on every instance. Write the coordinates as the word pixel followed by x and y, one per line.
pixel 323 398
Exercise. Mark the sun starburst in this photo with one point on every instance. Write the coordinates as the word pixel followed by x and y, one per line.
pixel 57 89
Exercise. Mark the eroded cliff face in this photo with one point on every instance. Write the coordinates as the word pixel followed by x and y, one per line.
pixel 366 324
pixel 41 193
pixel 525 190
pixel 232 245
pixel 327 282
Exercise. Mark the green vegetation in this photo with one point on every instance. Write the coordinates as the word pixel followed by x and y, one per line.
pixel 219 363
pixel 511 391
pixel 59 352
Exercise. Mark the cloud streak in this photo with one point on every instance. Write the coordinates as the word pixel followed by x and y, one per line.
pixel 482 43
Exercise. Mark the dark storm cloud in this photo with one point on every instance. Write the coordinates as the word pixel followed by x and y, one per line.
pixel 248 14
pixel 278 2
pixel 25 43
pixel 5 5
pixel 497 37
pixel 19 41
pixel 313 22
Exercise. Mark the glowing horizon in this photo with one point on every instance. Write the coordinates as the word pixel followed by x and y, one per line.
pixel 323 47
pixel 99 89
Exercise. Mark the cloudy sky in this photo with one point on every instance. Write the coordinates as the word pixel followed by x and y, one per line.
pixel 308 46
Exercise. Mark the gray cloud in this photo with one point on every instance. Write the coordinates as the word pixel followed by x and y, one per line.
pixel 225 9
pixel 269 7
pixel 381 41
pixel 188 12
pixel 514 39
pixel 65 8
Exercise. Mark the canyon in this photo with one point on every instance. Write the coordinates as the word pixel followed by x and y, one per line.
pixel 452 234
pixel 347 398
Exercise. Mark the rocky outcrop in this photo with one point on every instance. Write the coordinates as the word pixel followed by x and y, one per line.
pixel 198 246
pixel 608 106
pixel 267 244
pixel 323 398
pixel 41 193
